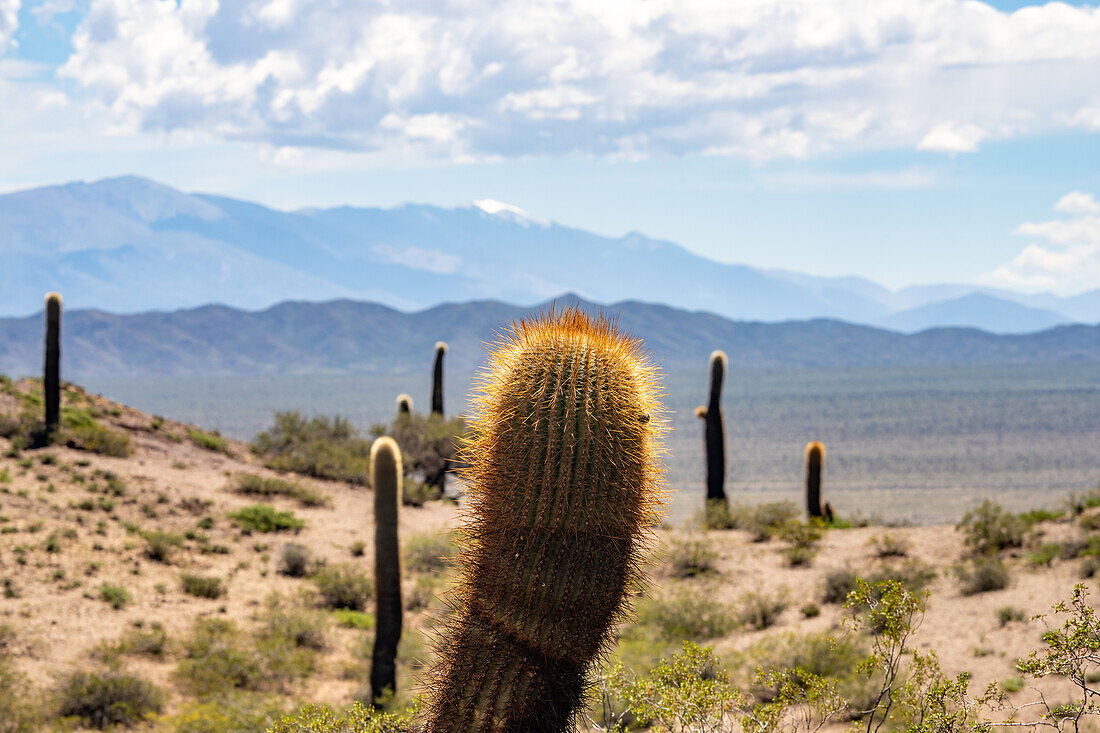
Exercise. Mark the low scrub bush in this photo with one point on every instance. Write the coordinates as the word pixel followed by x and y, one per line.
pixel 295 561
pixel 989 528
pixel 688 614
pixel 913 575
pixel 760 610
pixel 889 545
pixel 265 518
pixel 981 575
pixel 689 558
pixel 429 552
pixel 159 546
pixel 427 445
pixel 202 586
pixel 324 447
pixel 114 595
pixel 103 700
pixel 343 586
pixel 212 441
pixel 254 485
pixel 359 718
pixel 95 438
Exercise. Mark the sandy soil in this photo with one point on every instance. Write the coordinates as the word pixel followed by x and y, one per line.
pixel 58 616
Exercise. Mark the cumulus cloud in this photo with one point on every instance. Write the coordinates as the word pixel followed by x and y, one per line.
pixel 9 22
pixel 1068 260
pixel 485 79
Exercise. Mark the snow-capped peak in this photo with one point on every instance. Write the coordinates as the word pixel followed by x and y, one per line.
pixel 492 207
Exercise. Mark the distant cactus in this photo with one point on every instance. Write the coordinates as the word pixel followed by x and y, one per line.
pixel 437 378
pixel 563 487
pixel 815 461
pixel 51 381
pixel 714 434
pixel 385 463
pixel 829 516
pixel 404 404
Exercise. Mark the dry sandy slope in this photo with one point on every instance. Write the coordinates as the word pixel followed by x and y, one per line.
pixel 58 620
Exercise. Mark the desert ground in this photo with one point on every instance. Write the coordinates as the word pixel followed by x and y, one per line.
pixel 94 550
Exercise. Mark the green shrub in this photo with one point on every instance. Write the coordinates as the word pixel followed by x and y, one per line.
pixel 202 586
pixel 295 561
pixel 237 713
pixel 104 700
pixel 354 619
pixel 284 623
pixel 323 447
pixel 687 614
pixel 913 575
pixel 218 658
pixel 429 552
pixel 159 546
pixel 20 711
pixel 760 611
pixel 343 586
pixel 427 445
pixel 1012 684
pixel 989 528
pixel 212 441
pixel 890 545
pixel 95 438
pixel 689 558
pixel 357 719
pixel 981 575
pixel 1008 614
pixel 265 518
pixel 793 657
pixel 1044 555
pixel 151 642
pixel 253 485
pixel 115 595
pixel 767 519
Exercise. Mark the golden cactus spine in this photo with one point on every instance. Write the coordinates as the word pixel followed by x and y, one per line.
pixel 437 378
pixel 385 464
pixel 51 378
pixel 815 461
pixel 714 432
pixel 563 487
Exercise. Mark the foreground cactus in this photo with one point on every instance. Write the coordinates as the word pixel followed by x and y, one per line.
pixel 563 487
pixel 385 466
pixel 51 379
pixel 815 460
pixel 437 378
pixel 714 435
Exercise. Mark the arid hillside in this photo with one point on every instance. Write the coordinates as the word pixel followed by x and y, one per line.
pixel 162 576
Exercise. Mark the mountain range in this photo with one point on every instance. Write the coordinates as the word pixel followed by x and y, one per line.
pixel 368 338
pixel 129 245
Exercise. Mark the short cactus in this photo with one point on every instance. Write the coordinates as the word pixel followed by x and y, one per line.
pixel 404 404
pixel 714 433
pixel 815 461
pixel 437 378
pixel 563 487
pixel 51 380
pixel 385 464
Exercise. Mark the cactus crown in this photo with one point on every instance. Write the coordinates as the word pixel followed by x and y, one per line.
pixel 441 346
pixel 404 403
pixel 815 447
pixel 719 355
pixel 563 487
pixel 52 297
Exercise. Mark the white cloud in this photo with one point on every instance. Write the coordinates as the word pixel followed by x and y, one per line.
pixel 1069 259
pixel 9 22
pixel 484 79
pixel 950 137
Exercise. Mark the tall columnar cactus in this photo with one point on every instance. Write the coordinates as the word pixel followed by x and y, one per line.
pixel 385 464
pixel 563 487
pixel 404 404
pixel 437 378
pixel 51 381
pixel 815 461
pixel 714 434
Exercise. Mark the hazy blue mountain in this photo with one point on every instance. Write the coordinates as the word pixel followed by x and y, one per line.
pixel 996 315
pixel 355 337
pixel 131 245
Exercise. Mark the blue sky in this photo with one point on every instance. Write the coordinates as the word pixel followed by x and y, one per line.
pixel 907 141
